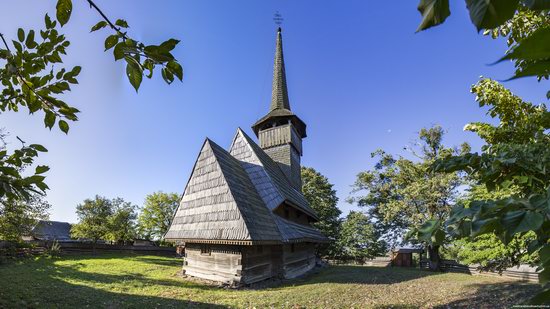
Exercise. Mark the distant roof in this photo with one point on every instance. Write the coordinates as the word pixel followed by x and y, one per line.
pixel 408 250
pixel 52 230
pixel 230 198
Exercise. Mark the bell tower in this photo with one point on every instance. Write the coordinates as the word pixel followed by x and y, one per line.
pixel 280 132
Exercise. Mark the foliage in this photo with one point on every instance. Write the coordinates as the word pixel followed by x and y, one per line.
pixel 105 219
pixel 32 77
pixel 18 217
pixel 491 254
pixel 359 240
pixel 156 214
pixel 516 157
pixel 525 24
pixel 54 249
pixel 404 195
pixel 484 14
pixel 93 219
pixel 321 196
pixel 141 281
pixel 122 223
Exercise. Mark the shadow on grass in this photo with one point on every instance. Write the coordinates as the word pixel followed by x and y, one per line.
pixel 497 295
pixel 42 282
pixel 159 261
pixel 363 275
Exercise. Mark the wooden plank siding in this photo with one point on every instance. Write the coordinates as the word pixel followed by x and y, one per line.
pixel 221 263
pixel 298 259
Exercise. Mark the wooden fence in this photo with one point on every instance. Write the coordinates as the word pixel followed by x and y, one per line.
pixel 39 247
pixel 522 272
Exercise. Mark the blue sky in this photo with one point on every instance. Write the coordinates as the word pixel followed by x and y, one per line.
pixel 358 75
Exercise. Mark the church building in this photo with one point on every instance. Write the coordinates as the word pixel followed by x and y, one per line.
pixel 243 217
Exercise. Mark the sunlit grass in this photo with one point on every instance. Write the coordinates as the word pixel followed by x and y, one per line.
pixel 115 281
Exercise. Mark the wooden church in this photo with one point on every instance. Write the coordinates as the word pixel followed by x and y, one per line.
pixel 243 217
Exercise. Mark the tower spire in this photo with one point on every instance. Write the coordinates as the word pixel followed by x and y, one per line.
pixel 279 92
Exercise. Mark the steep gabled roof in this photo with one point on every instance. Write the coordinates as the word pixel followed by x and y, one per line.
pixel 279 109
pixel 220 203
pixel 52 230
pixel 270 181
pixel 279 92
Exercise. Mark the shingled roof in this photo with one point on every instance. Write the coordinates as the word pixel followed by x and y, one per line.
pixel 230 198
pixel 280 105
pixel 267 175
pixel 220 203
pixel 52 230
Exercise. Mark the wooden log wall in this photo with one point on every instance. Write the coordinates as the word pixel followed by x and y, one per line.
pixel 221 263
pixel 298 259
pixel 262 262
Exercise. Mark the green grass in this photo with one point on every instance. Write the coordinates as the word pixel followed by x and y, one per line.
pixel 115 281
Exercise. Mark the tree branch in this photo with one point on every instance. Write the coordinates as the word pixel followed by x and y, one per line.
pixel 113 26
pixel 42 100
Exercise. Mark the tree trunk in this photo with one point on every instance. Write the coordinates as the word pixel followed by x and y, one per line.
pixel 434 260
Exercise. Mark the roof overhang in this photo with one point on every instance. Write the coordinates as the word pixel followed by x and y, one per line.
pixel 281 114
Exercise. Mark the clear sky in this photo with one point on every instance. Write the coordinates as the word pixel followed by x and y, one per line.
pixel 358 75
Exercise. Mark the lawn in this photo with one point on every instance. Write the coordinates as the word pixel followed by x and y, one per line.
pixel 117 281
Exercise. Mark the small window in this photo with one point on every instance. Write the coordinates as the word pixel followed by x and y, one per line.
pixel 292 248
pixel 205 250
pixel 287 213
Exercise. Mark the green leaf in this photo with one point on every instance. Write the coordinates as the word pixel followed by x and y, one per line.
pixel 111 41
pixel 63 11
pixel 518 221
pixel 134 72
pixel 534 47
pixel 434 12
pixel 99 25
pixel 541 298
pixel 167 75
pixel 175 68
pixel 38 147
pixel 544 254
pixel 480 227
pixel 537 4
pixel 21 35
pixel 48 21
pixel 121 23
pixel 489 14
pixel 64 126
pixel 41 169
pixel 30 40
pixel 169 45
pixel 118 52
pixel 548 95
pixel 49 119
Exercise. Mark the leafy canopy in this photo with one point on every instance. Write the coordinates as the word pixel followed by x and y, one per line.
pixel 359 239
pixel 32 76
pixel 156 215
pixel 516 157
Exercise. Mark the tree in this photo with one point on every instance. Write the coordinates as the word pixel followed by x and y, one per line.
pixel 359 240
pixel 31 77
pixel 122 223
pixel 321 196
pixel 488 250
pixel 517 152
pixel 156 214
pixel 405 195
pixel 93 219
pixel 517 156
pixel 18 217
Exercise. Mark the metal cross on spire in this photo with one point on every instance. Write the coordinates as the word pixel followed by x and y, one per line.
pixel 278 18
